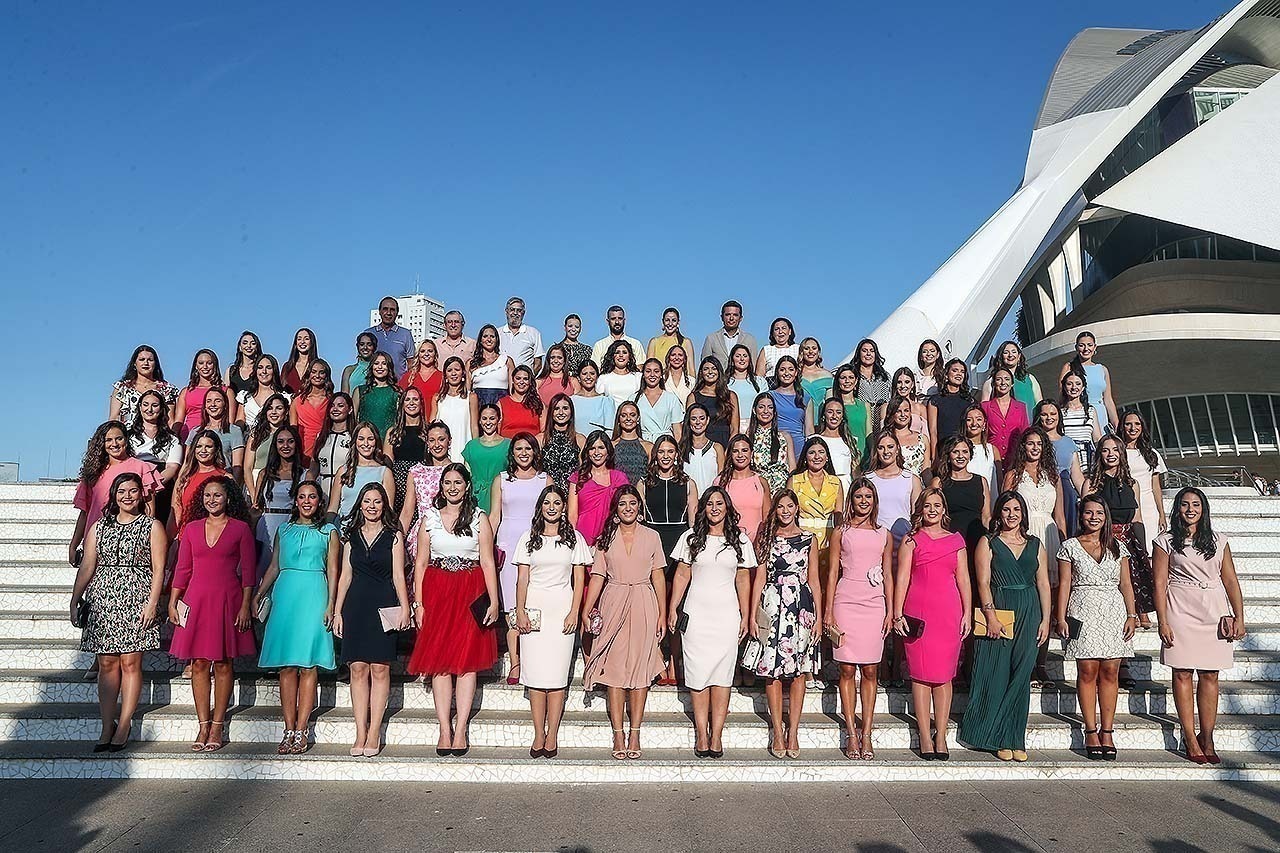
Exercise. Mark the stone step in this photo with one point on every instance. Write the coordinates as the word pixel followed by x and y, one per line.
pixel 51 491
pixel 408 764
pixel 33 687
pixel 37 510
pixel 591 729
pixel 30 654
pixel 40 573
pixel 36 530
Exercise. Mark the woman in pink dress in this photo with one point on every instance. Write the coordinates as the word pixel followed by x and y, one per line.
pixel 592 486
pixel 107 456
pixel 205 374
pixel 1006 417
pixel 209 602
pixel 310 407
pixel 931 606
pixel 861 550
pixel 747 489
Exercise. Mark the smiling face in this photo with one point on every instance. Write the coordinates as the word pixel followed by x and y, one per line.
pixel 1109 453
pixel 887 451
pixel 388 311
pixel 318 376
pixel 339 410
pixel 488 340
pixel 1002 383
pixel 621 358
pixel 522 380
pixel 587 376
pixel 810 352
pixel 905 386
pixel 716 509
pixel 149 409
pixel 205 368
pixel 932 510
pixel 1048 419
pixel 676 359
pixel 427 354
pixel 561 414
pixel 455 374
pixel 1092 516
pixel 302 342
pixel 277 412
pixel 552 507
pixel 652 374
pixel 862 500
pixel 786 374
pixel 128 497
pixel 710 373
pixel 490 421
pixel 115 443
pixel 214 498
pixel 628 509
pixel 628 417
pixel 598 453
pixel 786 510
pixel 670 322
pixel 366 443
pixel 572 328
pixel 975 423
pixel 1033 447
pixel 371 506
pixel 438 442
pixel 666 454
pixel 1190 509
pixel 380 368
pixel 1011 516
pixel 366 346
pixel 698 421
pixel 286 445
pixel 1086 346
pixel 956 374
pixel 307 501
pixel 205 450
pixel 929 355
pixel 741 360
pixel 779 332
pixel 264 372
pixel 412 402
pixel 815 458
pixel 867 354
pixel 555 360
pixel 846 381
pixel 959 456
pixel 453 486
pixel 522 453
pixel 740 455
pixel 453 324
pixel 1131 427
pixel 1073 387
pixel 832 415
pixel 764 410
pixel 1009 355
pixel 515 314
pixel 245 346
pixel 900 417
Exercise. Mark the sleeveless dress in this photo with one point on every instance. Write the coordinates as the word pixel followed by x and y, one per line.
pixel 788 611
pixel 817 504
pixel 119 589
pixel 894 495
pixel 594 501
pixel 631 459
pixel 455 413
pixel 701 466
pixel 666 510
pixel 859 606
pixel 1122 500
pixel 1095 385
pixel 516 418
pixel 310 421
pixel 546 656
pixel 1143 474
pixel 1041 498
pixel 1077 424
pixel 194 395
pixel 1000 686
pixel 625 654
pixel 485 463
pixel 817 390
pixel 1095 600
pixel 332 455
pixel 934 597
pixel 549 387
pixel 519 501
pixel 858 416
pixel 426 485
pixel 491 382
pixel 718 430
pixel 295 634
pixel 983 463
pixel 412 448
pixel 913 456
pixel 429 388
pixel 619 387
pixel 775 473
pixel 378 407
pixel 1195 602
pixel 773 353
pixel 452 641
pixel 710 642
pixel 372 587
pixel 1064 448
pixel 277 504
pixel 964 505
pixel 128 395
pixel 747 494
pixel 560 458
pixel 791 417
pixel 873 392
pixel 747 394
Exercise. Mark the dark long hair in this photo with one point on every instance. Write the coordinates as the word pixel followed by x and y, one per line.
pixel 564 370
pixel 1019 370
pixel 802 461
pixel 608 361
pixel 271 474
pixel 1204 540
pixel 112 508
pixel 237 507
pixel 221 391
pixel 477 357
pixel 702 527
pixel 719 391
pixel 353 455
pixel 1076 364
pixel 938 378
pixel 262 427
pixel 131 369
pixel 468 508
pixel 751 367
pixel 799 391
pixel 356 519
pixel 295 354
pixel 535 463
pixel 444 382
pixel 164 436
pixel 392 379
pixel 1048 459
pixel 96 459
pixel 685 444
pixel 1123 475
pixel 877 367
pixel 1143 444
pixel 917 510
pixel 395 435
pixel 753 426
pixel 964 389
pixel 326 427
pixel 317 520
pixel 241 358
pixel 550 428
pixel 532 402
pixel 277 384
pixel 194 379
pixel 612 523
pixel 942 465
pixel 678 476
pixel 584 467
pixel 1011 496
pixel 769 527
pixel 1084 393
pixel 1105 537
pixel 564 528
pixel 726 473
pixel 190 464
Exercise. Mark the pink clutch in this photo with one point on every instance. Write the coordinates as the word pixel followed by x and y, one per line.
pixel 183 610
pixel 390 617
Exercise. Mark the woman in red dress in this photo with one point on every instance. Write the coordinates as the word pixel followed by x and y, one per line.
pixel 522 409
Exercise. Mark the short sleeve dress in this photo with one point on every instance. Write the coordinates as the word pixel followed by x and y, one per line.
pixel 295 633
pixel 1196 601
pixel 594 501
pixel 1095 608
pixel 119 589
pixel 710 641
pixel 546 655
pixel 626 653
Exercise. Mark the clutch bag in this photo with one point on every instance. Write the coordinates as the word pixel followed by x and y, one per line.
pixel 980 622
pixel 682 622
pixel 1073 627
pixel 535 618
pixel 479 608
pixel 183 610
pixel 82 613
pixel 1224 628
pixel 264 609
pixel 390 617
pixel 834 634
pixel 595 622
pixel 752 651
pixel 915 627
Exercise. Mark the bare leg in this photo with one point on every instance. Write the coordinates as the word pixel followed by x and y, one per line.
pixel 379 693
pixel 635 706
pixel 308 684
pixel 1184 699
pixel 466 694
pixel 131 692
pixel 223 681
pixel 513 649
pixel 870 675
pixel 719 713
pixel 849 702
pixel 921 697
pixel 201 690
pixel 360 689
pixel 108 694
pixel 1087 695
pixel 795 711
pixel 555 713
pixel 701 700
pixel 442 695
pixel 1206 699
pixel 289 696
pixel 942 714
pixel 773 698
pixel 538 710
pixel 616 702
pixel 1108 697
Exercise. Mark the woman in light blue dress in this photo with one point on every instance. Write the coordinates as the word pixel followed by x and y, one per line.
pixel 1097 381
pixel 300 583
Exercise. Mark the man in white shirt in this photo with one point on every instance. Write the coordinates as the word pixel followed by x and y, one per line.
pixel 616 319
pixel 454 343
pixel 523 343
pixel 720 342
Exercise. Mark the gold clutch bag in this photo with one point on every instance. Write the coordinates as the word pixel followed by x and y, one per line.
pixel 980 622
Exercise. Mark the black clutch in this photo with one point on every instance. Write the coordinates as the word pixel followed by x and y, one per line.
pixel 915 627
pixel 682 622
pixel 1073 627
pixel 82 613
pixel 479 608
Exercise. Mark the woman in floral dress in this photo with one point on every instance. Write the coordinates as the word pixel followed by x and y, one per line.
pixel 784 619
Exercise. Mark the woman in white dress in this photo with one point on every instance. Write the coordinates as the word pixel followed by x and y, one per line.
pixel 985 461
pixel 714 563
pixel 551 558
pixel 1147 467
pixel 782 341
pixel 619 373
pixel 842 448
pixel 455 407
pixel 702 457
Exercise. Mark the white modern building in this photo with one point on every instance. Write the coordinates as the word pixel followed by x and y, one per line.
pixel 420 314
pixel 1148 214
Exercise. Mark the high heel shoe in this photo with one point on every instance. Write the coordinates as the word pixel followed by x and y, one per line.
pixel 1210 754
pixel 620 754
pixel 1093 753
pixel 212 744
pixel 1108 752
pixel 197 745
pixel 119 747
pixel 633 754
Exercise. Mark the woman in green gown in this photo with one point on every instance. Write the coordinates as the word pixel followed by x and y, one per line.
pixel 486 456
pixel 1012 574
pixel 377 399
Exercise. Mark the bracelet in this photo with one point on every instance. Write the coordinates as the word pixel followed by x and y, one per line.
pixel 988 607
pixel 1132 616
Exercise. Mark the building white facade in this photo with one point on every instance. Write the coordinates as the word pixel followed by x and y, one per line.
pixel 420 314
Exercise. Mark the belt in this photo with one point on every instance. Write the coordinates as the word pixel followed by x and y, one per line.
pixel 1014 586
pixel 275 511
pixel 451 563
pixel 648 583
pixel 1189 582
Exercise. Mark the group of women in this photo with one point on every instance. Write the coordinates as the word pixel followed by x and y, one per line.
pixel 677 527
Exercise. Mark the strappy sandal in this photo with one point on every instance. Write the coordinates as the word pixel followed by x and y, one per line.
pixel 197 745
pixel 868 751
pixel 633 754
pixel 286 743
pixel 851 752
pixel 619 754
pixel 1093 753
pixel 301 743
pixel 1108 752
pixel 215 745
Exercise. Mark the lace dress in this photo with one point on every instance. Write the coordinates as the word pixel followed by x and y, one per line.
pixel 1042 498
pixel 1096 602
pixel 119 590
pixel 560 458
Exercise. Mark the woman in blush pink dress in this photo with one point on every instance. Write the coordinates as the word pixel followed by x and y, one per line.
pixel 212 584
pixel 747 489
pixel 205 374
pixel 931 605
pixel 592 486
pixel 860 552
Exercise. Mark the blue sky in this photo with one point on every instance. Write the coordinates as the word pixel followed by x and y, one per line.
pixel 175 173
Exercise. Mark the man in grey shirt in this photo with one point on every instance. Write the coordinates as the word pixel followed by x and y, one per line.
pixel 395 341
pixel 722 340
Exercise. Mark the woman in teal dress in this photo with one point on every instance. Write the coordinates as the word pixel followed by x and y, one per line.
pixel 815 379
pixel 378 398
pixel 300 584
pixel 486 456
pixel 857 412
pixel 1012 574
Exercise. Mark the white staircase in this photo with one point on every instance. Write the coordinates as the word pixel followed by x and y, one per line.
pixel 49 717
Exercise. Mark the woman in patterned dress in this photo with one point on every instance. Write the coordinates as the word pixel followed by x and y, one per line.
pixel 143 374
pixel 774 455
pixel 561 441
pixel 120 580
pixel 916 455
pixel 785 618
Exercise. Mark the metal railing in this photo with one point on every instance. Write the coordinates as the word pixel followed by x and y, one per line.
pixel 1208 476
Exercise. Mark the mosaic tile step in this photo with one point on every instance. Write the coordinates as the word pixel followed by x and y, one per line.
pixel 37 510
pixel 35 530
pixel 38 687
pixel 43 573
pixel 42 549
pixel 591 728
pixel 326 762
pixel 61 492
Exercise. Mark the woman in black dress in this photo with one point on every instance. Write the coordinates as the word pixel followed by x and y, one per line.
pixel 712 391
pixel 968 495
pixel 670 500
pixel 372 579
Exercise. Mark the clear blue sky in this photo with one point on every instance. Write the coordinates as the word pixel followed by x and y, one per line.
pixel 174 173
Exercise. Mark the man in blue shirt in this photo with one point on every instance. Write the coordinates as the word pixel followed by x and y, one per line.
pixel 395 341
